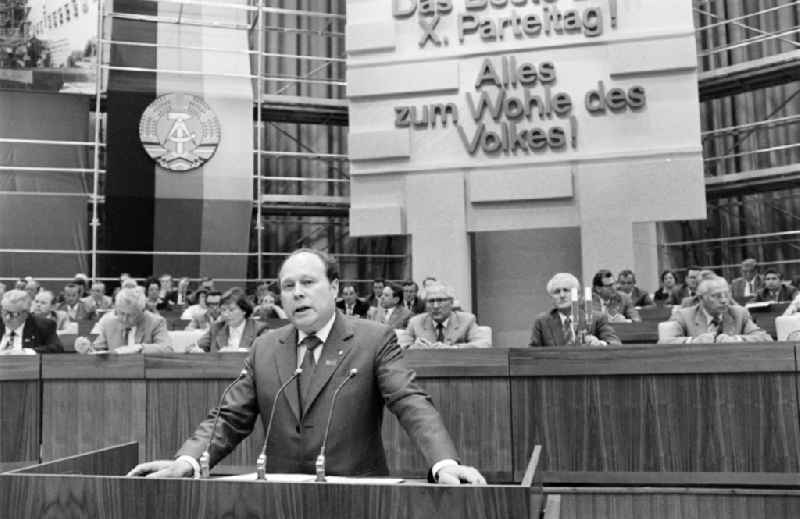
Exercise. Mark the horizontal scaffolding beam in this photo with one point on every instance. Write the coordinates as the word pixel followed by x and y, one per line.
pixel 751 75
pixel 747 182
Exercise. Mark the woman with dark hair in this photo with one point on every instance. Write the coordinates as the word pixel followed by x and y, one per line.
pixel 235 330
pixel 668 284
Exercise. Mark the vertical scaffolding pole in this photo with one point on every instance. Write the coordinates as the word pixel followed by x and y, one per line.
pixel 259 139
pixel 98 85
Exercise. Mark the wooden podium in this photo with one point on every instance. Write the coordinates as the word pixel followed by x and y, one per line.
pixel 93 485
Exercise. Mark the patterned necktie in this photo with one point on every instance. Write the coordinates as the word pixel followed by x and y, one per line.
pixel 439 332
pixel 311 342
pixel 717 323
pixel 567 329
pixel 126 336
pixel 10 344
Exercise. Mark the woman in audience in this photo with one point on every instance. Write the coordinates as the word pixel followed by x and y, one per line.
pixel 196 311
pixel 267 309
pixel 668 284
pixel 235 330
pixel 155 303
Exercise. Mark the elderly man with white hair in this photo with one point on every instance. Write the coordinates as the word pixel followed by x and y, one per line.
pixel 443 327
pixel 129 328
pixel 715 318
pixel 22 332
pixel 559 327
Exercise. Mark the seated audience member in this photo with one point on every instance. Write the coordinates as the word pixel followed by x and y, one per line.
pixel 606 298
pixel 32 287
pixel 411 299
pixel 166 291
pixel 235 329
pixel 43 307
pixel 374 298
pixel 101 302
pixel 197 309
pixel 182 292
pixel 350 304
pixel 130 328
pixel 390 312
pixel 155 303
pixel 558 326
pixel 774 290
pixel 700 277
pixel 76 309
pixel 213 303
pixel 261 290
pixel 268 308
pixel 443 327
pixel 745 288
pixel 22 332
pixel 687 289
pixel 668 285
pixel 713 319
pixel 626 283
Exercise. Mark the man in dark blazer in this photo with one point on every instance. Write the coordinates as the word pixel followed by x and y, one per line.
pixel 558 327
pixel 328 346
pixel 20 330
pixel 350 304
pixel 411 299
pixel 744 289
pixel 774 290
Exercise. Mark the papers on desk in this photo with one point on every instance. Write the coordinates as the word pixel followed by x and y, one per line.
pixel 763 304
pixel 310 478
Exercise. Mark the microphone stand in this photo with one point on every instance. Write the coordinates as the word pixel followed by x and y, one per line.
pixel 261 462
pixel 320 463
pixel 205 458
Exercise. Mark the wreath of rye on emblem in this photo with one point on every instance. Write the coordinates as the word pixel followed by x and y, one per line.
pixel 179 131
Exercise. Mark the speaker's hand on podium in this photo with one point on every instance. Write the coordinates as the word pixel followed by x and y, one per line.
pixel 163 469
pixel 455 474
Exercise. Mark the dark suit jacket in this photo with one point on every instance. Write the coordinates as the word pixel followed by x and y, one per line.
pixel 355 446
pixel 360 308
pixel 547 329
pixel 737 289
pixel 783 294
pixel 39 334
pixel 680 293
pixel 216 337
pixel 417 306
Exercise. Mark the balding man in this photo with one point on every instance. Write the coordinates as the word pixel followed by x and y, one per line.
pixel 131 329
pixel 745 288
pixel 715 318
pixel 442 326
pixel 558 327
pixel 22 332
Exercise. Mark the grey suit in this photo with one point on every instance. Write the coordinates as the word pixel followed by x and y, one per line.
pixel 690 322
pixel 461 330
pixel 398 319
pixel 355 446
pixel 152 330
pixel 548 330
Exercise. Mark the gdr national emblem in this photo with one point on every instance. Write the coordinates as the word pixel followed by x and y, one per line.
pixel 179 131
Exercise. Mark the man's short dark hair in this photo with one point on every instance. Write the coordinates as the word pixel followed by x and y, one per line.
pixel 410 282
pixel 237 296
pixel 331 267
pixel 773 271
pixel 597 280
pixel 397 290
pixel 71 285
pixel 379 280
pixel 625 273
pixel 213 293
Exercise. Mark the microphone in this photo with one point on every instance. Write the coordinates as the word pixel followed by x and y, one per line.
pixel 205 458
pixel 321 458
pixel 261 462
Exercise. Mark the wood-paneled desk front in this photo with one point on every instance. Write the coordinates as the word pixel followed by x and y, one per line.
pixel 92 485
pixel 679 408
pixel 19 408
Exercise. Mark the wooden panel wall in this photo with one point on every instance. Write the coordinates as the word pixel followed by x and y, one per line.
pixel 19 409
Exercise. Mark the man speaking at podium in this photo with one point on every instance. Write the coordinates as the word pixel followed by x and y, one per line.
pixel 327 346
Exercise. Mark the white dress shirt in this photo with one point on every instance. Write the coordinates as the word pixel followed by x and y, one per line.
pixel 235 335
pixel 15 348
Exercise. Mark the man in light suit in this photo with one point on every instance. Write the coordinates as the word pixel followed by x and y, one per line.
pixel 714 319
pixel 76 308
pixel 389 310
pixel 443 327
pixel 129 328
pixel 329 346
pixel 558 326
pixel 235 330
pixel 744 289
